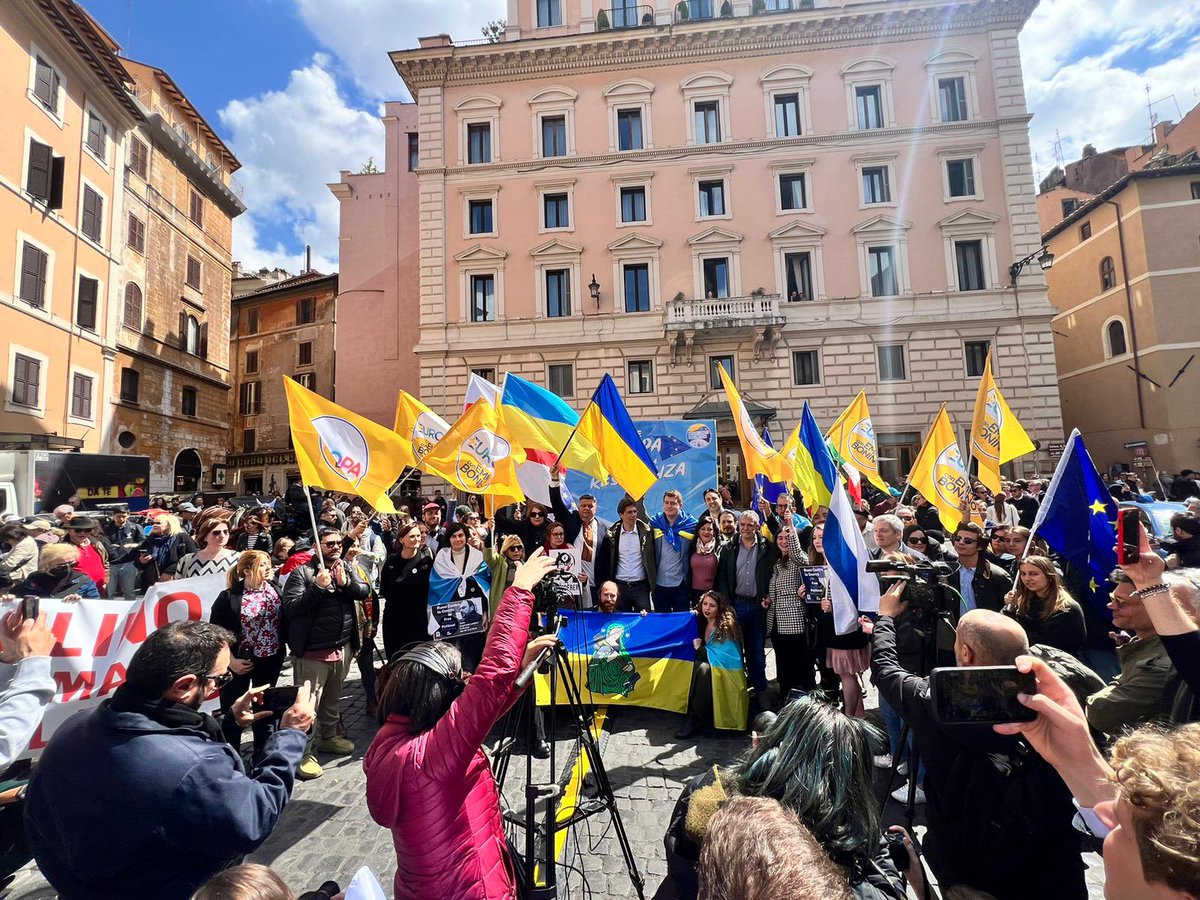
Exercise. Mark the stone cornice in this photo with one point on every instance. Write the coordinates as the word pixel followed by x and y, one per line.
pixel 886 21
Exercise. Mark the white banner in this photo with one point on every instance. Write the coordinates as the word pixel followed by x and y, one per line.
pixel 97 639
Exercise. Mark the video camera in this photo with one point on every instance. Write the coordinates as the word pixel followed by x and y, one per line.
pixel 924 591
pixel 560 589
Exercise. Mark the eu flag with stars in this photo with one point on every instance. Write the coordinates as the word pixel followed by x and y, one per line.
pixel 1077 519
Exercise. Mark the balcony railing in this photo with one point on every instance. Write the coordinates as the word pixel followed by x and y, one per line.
pixel 622 16
pixel 727 312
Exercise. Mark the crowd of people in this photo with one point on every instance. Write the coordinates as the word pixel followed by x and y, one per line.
pixel 149 794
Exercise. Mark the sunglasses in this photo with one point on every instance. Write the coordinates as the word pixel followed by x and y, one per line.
pixel 520 550
pixel 965 540
pixel 331 544
pixel 219 680
pixel 219 531
pixel 906 518
pixel 913 541
pixel 537 515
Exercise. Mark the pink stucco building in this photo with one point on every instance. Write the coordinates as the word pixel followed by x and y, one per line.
pixel 821 198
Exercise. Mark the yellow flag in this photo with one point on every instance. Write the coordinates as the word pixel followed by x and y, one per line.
pixel 853 436
pixel 804 476
pixel 940 473
pixel 996 435
pixel 418 425
pixel 343 451
pixel 760 459
pixel 478 455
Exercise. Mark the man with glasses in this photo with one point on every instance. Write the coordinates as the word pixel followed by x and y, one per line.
pixel 93 556
pixel 980 583
pixel 320 611
pixel 142 797
pixel 630 559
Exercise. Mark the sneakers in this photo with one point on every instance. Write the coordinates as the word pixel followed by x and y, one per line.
pixel 309 769
pixel 882 761
pixel 338 746
pixel 902 769
pixel 900 794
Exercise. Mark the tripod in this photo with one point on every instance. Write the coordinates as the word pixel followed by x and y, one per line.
pixel 538 876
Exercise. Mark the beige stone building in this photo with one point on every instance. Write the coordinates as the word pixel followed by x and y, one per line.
pixel 288 328
pixel 823 199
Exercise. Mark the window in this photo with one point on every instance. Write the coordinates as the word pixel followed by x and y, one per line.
pixel 700 9
pixel 193 272
pixel 637 287
pixel 249 399
pixel 968 258
pixel 716 278
pixel 27 379
pixel 975 355
pixel 196 209
pixel 792 194
pixel 480 213
pixel 139 158
pixel 1085 231
pixel 960 173
pixel 479 142
pixel 1114 333
pixel 487 374
pixel 561 379
pixel 876 188
pixel 483 298
pixel 641 376
pixel 1070 205
pixel 187 404
pixel 41 168
pixel 131 314
pixel 306 310
pixel 189 334
pixel 414 151
pixel 97 137
pixel 307 380
pixel 555 212
pixel 549 13
pixel 558 293
pixel 1108 274
pixel 806 367
pixel 715 364
pixel 81 395
pixel 34 265
pixel 882 268
pixel 797 269
pixel 787 115
pixel 304 353
pixel 130 384
pixel 137 234
pixel 251 367
pixel 1196 190
pixel 93 214
pixel 248 440
pixel 892 366
pixel 252 321
pixel 554 136
pixel 712 198
pixel 45 85
pixel 869 102
pixel 85 308
pixel 633 204
pixel 952 99
pixel 629 129
pixel 708 122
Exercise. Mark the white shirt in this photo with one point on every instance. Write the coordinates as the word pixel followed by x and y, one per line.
pixel 629 556
pixel 589 565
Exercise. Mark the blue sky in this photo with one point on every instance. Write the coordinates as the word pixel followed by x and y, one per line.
pixel 296 86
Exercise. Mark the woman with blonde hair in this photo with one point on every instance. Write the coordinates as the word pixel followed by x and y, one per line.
pixel 250 607
pixel 1043 607
pixel 162 550
pixel 57 576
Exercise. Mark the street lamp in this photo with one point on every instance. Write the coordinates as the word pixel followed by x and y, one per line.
pixel 1044 257
pixel 594 290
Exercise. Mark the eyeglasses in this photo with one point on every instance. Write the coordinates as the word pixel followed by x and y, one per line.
pixel 537 515
pixel 965 540
pixel 331 544
pixel 913 541
pixel 219 680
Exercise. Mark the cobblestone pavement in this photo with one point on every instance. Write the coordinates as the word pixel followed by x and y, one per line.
pixel 326 832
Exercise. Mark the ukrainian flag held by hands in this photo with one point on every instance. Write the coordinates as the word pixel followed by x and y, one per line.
pixel 342 451
pixel 731 699
pixel 419 425
pixel 619 452
pixel 996 435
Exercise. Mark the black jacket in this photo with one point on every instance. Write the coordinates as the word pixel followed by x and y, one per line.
pixel 117 537
pixel 316 619
pixel 227 612
pixel 1188 551
pixel 990 584
pixel 532 536
pixel 606 559
pixel 726 581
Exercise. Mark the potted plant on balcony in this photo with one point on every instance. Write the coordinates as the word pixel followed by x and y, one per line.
pixel 602 20
pixel 726 10
pixel 758 293
pixel 759 6
pixel 682 12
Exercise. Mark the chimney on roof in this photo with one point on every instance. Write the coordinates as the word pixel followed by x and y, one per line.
pixel 1089 150
pixel 237 269
pixel 307 258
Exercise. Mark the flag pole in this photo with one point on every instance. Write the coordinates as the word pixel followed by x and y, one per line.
pixel 312 517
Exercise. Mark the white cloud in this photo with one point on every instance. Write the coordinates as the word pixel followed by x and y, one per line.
pixel 291 142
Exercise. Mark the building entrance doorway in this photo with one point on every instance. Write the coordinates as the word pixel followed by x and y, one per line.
pixel 188 471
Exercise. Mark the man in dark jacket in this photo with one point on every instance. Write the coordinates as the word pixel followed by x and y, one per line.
pixel 124 538
pixel 628 559
pixel 583 529
pixel 143 797
pixel 999 817
pixel 981 584
pixel 321 623
pixel 1026 504
pixel 744 578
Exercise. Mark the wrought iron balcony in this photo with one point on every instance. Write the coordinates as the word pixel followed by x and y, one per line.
pixel 755 311
pixel 624 16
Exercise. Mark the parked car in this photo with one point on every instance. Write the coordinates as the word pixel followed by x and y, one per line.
pixel 1156 516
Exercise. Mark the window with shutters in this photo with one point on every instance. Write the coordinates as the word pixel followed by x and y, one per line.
pixel 34 264
pixel 307 380
pixel 306 310
pixel 132 313
pixel 97 136
pixel 193 272
pixel 27 380
pixel 561 379
pixel 37 178
pixel 251 362
pixel 139 159
pixel 196 209
pixel 86 303
pixel 249 399
pixel 248 440
pixel 81 395
pixel 137 234
pixel 1108 274
pixel 305 353
pixel 252 321
pixel 187 404
pixel 189 334
pixel 130 384
pixel 46 85
pixel 93 214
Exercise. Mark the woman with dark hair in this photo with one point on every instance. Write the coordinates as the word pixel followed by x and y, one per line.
pixel 214 555
pixel 916 540
pixel 788 618
pixel 404 586
pixel 703 561
pixel 255 533
pixel 460 578
pixel 718 639
pixel 816 761
pixel 1042 606
pixel 428 780
pixel 18 552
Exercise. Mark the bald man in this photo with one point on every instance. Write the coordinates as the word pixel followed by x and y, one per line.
pixel 985 831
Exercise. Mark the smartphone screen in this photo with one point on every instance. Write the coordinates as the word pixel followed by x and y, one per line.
pixel 30 606
pixel 277 700
pixel 1129 537
pixel 981 695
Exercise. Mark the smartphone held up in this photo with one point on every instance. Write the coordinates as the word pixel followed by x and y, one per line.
pixel 981 695
pixel 1129 536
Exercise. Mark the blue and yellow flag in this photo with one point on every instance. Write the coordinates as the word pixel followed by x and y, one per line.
pixel 620 453
pixel 731 700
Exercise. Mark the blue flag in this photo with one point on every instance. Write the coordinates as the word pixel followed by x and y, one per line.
pixel 1077 519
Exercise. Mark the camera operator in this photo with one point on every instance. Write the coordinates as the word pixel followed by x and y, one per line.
pixel 427 777
pixel 995 811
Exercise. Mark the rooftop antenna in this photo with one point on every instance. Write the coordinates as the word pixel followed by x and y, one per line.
pixel 1150 112
pixel 1057 147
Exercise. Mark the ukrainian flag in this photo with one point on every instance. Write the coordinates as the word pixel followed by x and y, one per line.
pixel 605 425
pixel 542 422
pixel 731 700
pixel 626 659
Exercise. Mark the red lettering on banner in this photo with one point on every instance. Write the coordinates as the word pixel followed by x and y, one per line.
pixel 62 622
pixel 195 608
pixel 104 635
pixel 114 678
pixel 68 686
pixel 37 742
pixel 135 626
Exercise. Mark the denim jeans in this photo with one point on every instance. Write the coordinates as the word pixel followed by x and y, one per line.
pixel 672 599
pixel 895 725
pixel 752 619
pixel 122 579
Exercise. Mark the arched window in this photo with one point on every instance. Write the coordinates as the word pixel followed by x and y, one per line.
pixel 1114 337
pixel 189 333
pixel 1108 274
pixel 133 306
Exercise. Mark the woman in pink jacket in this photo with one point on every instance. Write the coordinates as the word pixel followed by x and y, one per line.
pixel 427 777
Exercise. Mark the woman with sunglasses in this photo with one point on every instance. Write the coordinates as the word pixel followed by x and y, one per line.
pixel 531 528
pixel 504 567
pixel 918 543
pixel 404 586
pixel 214 555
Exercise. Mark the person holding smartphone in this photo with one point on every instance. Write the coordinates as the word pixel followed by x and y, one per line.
pixel 26 687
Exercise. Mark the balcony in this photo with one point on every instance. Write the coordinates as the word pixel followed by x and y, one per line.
pixel 624 16
pixel 755 311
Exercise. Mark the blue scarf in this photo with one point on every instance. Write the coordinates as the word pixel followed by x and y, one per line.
pixel 684 527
